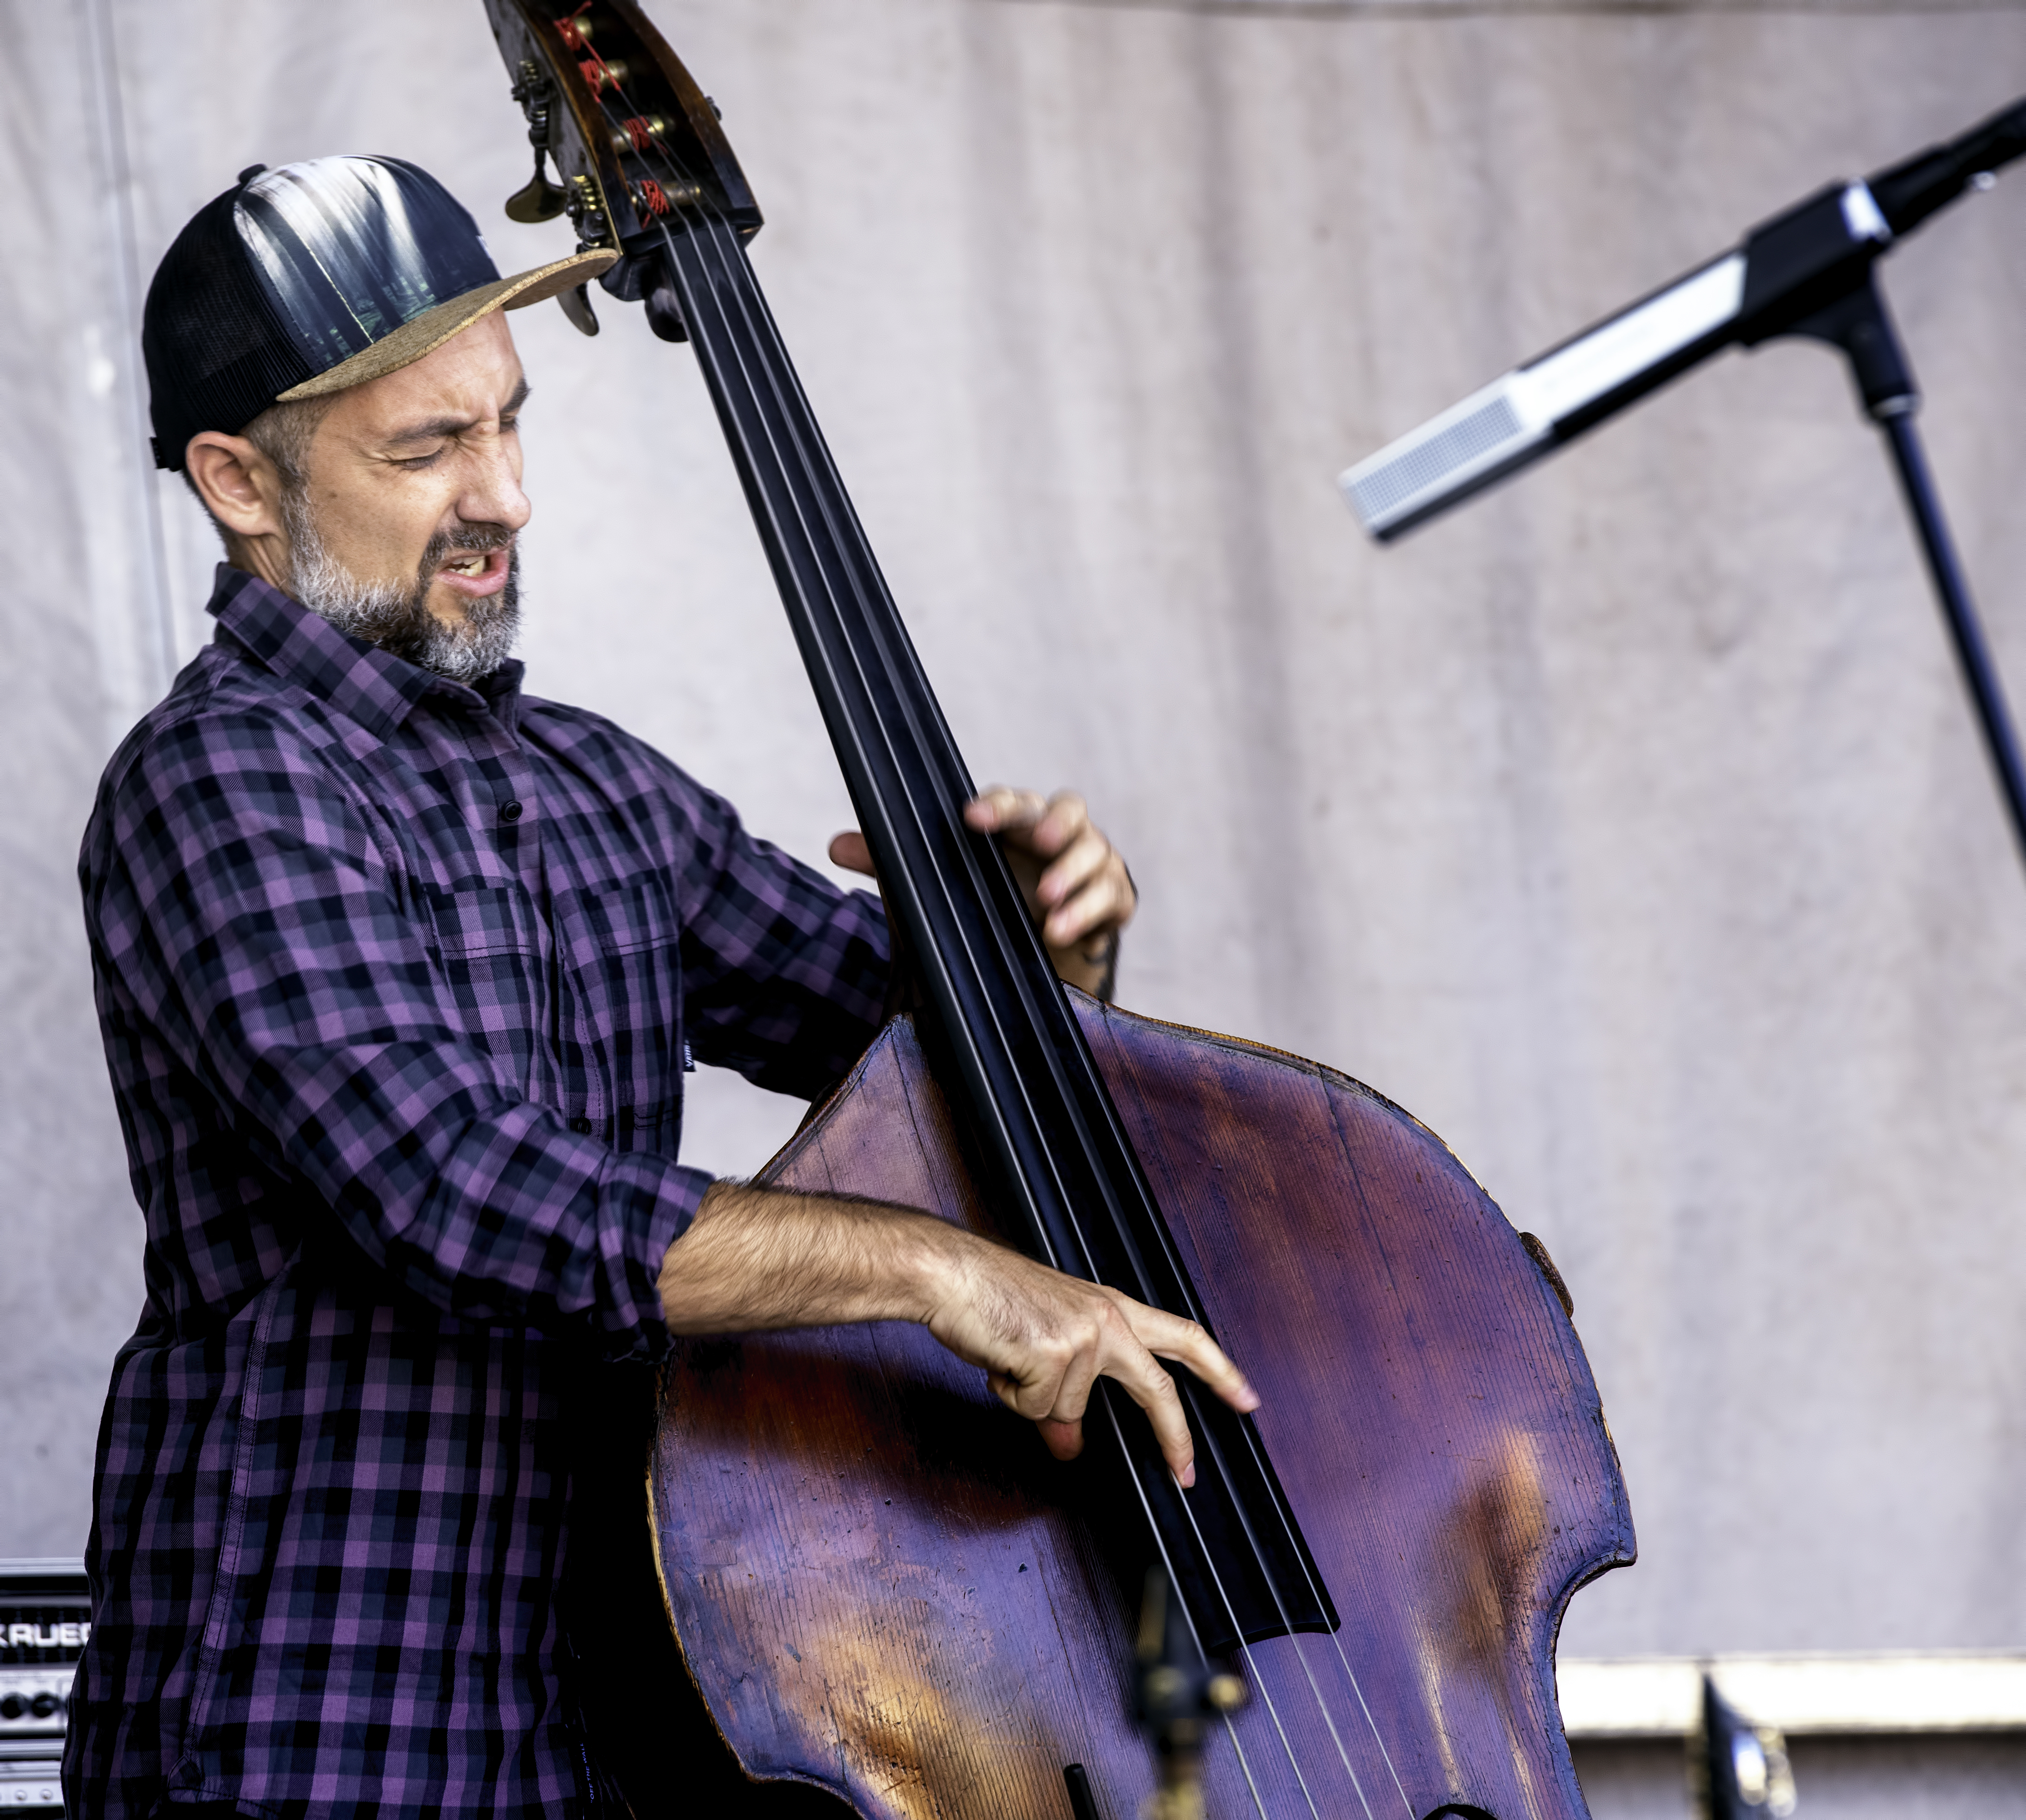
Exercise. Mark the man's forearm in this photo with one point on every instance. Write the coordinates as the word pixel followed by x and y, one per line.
pixel 758 1258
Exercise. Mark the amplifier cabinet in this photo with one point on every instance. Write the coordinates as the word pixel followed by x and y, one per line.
pixel 45 1619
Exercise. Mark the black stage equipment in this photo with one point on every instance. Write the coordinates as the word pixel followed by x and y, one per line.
pixel 1738 1770
pixel 45 1620
pixel 1806 272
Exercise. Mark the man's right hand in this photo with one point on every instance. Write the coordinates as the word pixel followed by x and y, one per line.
pixel 759 1258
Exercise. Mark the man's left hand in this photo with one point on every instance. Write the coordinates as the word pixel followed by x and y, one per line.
pixel 1076 885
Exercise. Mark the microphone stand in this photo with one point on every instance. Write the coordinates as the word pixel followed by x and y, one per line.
pixel 1858 321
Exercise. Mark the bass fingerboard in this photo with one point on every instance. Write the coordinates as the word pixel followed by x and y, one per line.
pixel 1061 1165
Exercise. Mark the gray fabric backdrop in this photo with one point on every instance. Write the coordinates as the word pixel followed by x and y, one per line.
pixel 1628 828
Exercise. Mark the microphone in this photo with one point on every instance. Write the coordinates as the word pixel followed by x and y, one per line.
pixel 1785 271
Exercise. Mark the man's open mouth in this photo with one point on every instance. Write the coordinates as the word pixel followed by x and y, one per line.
pixel 477 572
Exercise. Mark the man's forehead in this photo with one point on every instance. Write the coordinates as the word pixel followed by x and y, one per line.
pixel 471 378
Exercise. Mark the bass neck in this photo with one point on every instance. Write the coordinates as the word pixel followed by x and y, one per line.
pixel 1058 1167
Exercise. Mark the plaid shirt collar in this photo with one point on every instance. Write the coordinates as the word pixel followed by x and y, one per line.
pixel 372 688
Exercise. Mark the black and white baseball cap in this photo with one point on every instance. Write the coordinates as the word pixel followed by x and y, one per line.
pixel 315 277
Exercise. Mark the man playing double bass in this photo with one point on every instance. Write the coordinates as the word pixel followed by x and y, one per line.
pixel 399 969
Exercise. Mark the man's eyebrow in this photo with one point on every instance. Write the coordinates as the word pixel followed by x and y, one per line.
pixel 436 429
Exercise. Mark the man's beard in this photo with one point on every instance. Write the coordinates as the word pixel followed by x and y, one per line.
pixel 395 615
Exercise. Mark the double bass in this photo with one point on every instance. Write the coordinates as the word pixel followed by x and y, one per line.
pixel 867 1582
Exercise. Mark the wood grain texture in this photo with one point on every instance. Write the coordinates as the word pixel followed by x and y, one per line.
pixel 883 1585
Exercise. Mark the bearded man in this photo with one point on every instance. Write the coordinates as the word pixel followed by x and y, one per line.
pixel 399 969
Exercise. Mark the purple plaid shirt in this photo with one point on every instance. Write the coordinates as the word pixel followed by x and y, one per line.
pixel 397 980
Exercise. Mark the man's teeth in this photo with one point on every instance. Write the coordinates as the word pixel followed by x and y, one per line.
pixel 468 565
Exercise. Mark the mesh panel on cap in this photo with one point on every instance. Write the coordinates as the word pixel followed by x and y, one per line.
pixel 216 357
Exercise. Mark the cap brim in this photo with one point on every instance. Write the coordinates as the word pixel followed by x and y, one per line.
pixel 425 333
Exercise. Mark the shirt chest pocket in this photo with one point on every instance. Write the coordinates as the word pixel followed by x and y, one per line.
pixel 488 942
pixel 627 964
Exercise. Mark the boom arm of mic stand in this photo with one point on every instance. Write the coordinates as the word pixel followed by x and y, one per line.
pixel 1785 269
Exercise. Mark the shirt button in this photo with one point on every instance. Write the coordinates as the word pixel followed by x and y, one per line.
pixel 509 812
pixel 580 1124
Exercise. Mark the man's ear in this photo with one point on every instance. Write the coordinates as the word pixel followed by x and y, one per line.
pixel 241 487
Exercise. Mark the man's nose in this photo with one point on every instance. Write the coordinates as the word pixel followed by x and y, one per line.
pixel 493 495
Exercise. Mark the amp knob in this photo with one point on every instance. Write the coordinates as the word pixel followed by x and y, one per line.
pixel 12 1706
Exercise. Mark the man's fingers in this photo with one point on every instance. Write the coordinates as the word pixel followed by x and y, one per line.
pixel 1056 1405
pixel 1123 1357
pixel 1097 907
pixel 998 809
pixel 1063 1439
pixel 1067 817
pixel 1169 1336
pixel 850 851
pixel 1149 1387
pixel 1072 1395
pixel 1164 1335
pixel 1043 824
pixel 1076 864
pixel 1103 899
pixel 1066 1335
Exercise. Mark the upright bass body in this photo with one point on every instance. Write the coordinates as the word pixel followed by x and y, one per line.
pixel 883 1585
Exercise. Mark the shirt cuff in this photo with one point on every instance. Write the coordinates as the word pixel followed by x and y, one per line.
pixel 668 1196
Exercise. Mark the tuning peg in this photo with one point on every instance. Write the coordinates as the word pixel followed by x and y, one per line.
pixel 541 201
pixel 576 306
pixel 665 307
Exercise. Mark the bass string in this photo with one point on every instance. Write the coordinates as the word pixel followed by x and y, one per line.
pixel 828 511
pixel 719 231
pixel 877 625
pixel 1104 1401
pixel 1337 1643
pixel 731 258
pixel 726 251
pixel 762 330
pixel 1294 1636
pixel 831 504
pixel 1259 1680
pixel 1357 1692
pixel 791 406
pixel 1244 1767
pixel 843 536
pixel 888 652
pixel 878 640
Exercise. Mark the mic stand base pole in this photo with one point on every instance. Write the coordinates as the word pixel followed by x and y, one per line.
pixel 1857 323
pixel 1979 674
